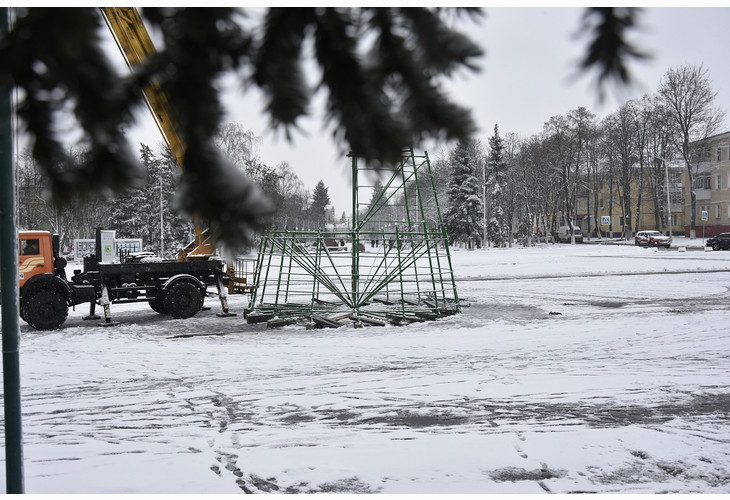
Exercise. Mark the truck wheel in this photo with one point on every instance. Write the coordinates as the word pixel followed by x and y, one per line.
pixel 46 310
pixel 183 300
pixel 158 305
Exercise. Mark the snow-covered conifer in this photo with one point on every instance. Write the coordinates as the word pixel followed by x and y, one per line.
pixel 497 226
pixel 463 218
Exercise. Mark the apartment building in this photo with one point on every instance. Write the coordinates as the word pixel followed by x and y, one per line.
pixel 712 189
pixel 605 210
pixel 711 185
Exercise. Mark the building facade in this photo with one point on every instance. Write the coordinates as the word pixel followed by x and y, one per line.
pixel 711 184
pixel 712 189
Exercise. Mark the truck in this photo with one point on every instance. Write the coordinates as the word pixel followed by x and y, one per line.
pixel 177 288
pixel 564 234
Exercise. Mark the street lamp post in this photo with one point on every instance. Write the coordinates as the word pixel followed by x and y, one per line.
pixel 669 206
pixel 162 223
pixel 484 201
pixel 669 203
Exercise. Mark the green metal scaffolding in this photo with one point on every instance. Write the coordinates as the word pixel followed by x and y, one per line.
pixel 390 264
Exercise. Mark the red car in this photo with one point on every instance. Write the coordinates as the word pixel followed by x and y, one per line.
pixel 652 239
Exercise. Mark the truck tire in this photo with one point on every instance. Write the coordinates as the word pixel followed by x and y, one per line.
pixel 46 310
pixel 158 305
pixel 183 300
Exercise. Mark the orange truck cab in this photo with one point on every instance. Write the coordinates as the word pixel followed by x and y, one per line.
pixel 36 255
pixel 45 294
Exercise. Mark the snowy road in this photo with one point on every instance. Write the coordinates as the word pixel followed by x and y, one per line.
pixel 608 383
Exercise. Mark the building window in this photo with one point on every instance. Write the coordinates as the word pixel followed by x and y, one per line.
pixel 621 221
pixel 719 154
pixel 718 182
pixel 600 201
pixel 717 211
pixel 674 218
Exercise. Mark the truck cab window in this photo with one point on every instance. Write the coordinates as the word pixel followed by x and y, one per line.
pixel 31 247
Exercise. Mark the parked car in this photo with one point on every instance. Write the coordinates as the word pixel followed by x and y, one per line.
pixel 651 239
pixel 564 234
pixel 719 242
pixel 543 238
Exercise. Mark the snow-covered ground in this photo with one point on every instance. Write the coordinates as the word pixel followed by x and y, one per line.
pixel 586 368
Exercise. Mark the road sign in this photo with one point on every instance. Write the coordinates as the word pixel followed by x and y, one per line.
pixel 704 215
pixel 605 220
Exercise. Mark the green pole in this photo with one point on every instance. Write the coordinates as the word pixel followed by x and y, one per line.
pixel 355 265
pixel 9 280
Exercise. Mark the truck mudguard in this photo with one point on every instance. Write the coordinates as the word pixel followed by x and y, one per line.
pixel 184 277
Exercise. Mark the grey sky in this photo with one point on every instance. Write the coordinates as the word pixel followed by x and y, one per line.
pixel 528 75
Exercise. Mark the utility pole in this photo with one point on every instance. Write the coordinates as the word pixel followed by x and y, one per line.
pixel 162 222
pixel 669 205
pixel 9 279
pixel 484 201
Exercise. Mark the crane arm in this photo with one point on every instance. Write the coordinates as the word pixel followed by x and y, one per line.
pixel 135 44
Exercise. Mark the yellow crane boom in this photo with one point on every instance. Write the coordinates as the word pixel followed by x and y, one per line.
pixel 135 44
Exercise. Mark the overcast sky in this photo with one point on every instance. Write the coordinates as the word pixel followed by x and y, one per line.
pixel 527 75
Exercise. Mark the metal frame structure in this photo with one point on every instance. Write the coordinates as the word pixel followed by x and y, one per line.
pixel 392 264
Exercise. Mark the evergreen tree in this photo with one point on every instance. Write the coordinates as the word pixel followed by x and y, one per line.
pixel 377 190
pixel 497 226
pixel 376 204
pixel 318 208
pixel 145 211
pixel 130 210
pixel 463 218
pixel 178 230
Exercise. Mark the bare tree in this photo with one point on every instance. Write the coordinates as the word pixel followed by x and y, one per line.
pixel 607 170
pixel 593 158
pixel 294 195
pixel 656 151
pixel 37 211
pixel 240 145
pixel 688 93
pixel 530 181
pixel 566 139
pixel 621 137
pixel 641 115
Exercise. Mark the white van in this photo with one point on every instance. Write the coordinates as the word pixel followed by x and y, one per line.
pixel 564 234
